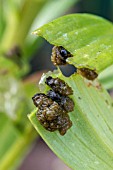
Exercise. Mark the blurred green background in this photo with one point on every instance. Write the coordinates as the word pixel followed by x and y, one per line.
pixel 23 59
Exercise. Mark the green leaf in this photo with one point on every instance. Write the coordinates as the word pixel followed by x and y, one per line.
pixel 106 77
pixel 87 37
pixel 88 144
pixel 58 8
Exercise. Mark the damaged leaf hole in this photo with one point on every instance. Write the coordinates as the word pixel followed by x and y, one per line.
pixel 68 70
pixel 59 56
pixel 53 107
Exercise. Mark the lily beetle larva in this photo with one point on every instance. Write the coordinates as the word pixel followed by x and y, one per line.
pixel 59 86
pixel 59 55
pixel 87 73
pixel 51 115
pixel 53 107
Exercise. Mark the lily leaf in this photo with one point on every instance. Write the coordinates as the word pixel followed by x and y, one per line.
pixel 106 77
pixel 89 142
pixel 87 37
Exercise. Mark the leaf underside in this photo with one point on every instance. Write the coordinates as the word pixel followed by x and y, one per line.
pixel 88 144
pixel 87 37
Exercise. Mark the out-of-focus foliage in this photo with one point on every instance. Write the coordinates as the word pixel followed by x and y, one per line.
pixel 17 46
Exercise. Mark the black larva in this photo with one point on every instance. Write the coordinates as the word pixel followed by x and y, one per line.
pixel 51 115
pixel 54 96
pixel 53 108
pixel 59 55
pixel 59 86
pixel 64 101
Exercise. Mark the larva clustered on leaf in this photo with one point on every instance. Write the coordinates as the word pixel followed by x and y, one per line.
pixel 53 108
